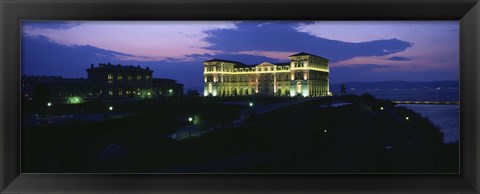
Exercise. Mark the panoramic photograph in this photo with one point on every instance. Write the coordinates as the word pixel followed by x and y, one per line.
pixel 296 97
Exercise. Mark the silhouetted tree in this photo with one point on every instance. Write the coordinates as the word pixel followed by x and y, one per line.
pixel 193 93
pixel 40 95
pixel 343 90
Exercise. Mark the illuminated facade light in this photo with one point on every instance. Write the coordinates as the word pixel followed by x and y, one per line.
pixel 305 75
pixel 49 104
pixel 407 118
pixel 325 131
pixel 250 104
pixel 381 108
pixel 110 108
pixel 190 119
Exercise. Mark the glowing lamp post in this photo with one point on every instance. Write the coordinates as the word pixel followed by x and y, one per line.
pixel 250 104
pixel 49 104
pixel 190 119
pixel 407 118
pixel 110 108
pixel 381 108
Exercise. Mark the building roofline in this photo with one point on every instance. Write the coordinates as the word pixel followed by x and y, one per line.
pixel 224 60
pixel 102 66
pixel 306 54
pixel 240 64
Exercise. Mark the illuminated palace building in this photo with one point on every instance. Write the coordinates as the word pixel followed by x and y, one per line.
pixel 106 81
pixel 305 75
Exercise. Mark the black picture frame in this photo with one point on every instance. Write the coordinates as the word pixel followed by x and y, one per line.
pixel 13 11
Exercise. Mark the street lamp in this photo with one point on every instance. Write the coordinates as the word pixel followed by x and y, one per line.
pixel 49 104
pixel 381 108
pixel 190 119
pixel 110 108
pixel 251 104
pixel 406 118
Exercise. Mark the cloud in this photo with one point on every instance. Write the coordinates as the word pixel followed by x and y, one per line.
pixel 57 25
pixel 278 55
pixel 397 58
pixel 371 66
pixel 433 45
pixel 146 40
pixel 40 56
pixel 244 58
pixel 283 37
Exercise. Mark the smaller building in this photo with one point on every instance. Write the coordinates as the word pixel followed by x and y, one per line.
pixel 104 82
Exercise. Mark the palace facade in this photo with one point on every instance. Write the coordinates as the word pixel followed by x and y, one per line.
pixel 105 82
pixel 305 75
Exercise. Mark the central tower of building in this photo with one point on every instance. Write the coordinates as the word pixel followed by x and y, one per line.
pixel 305 75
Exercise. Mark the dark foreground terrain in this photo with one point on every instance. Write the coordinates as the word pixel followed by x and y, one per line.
pixel 348 134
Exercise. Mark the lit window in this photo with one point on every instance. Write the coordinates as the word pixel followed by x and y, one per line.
pixel 139 77
pixel 129 77
pixel 110 92
pixel 110 78
pixel 120 77
pixel 147 77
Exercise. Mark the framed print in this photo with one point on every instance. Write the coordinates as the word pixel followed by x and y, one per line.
pixel 210 96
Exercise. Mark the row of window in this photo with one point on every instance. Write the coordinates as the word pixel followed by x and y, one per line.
pixel 120 92
pixel 129 77
pixel 299 64
pixel 319 64
pixel 253 69
pixel 247 78
pixel 252 90
pixel 139 93
pixel 268 77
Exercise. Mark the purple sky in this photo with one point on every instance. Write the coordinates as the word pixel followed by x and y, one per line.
pixel 358 51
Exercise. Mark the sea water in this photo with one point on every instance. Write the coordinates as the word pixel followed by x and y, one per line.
pixel 446 117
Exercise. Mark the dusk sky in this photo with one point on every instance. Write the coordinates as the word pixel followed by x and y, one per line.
pixel 358 50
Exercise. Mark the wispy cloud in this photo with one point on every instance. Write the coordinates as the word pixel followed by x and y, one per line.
pixel 397 58
pixel 434 43
pixel 253 37
pixel 145 40
pixel 270 54
pixel 57 25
